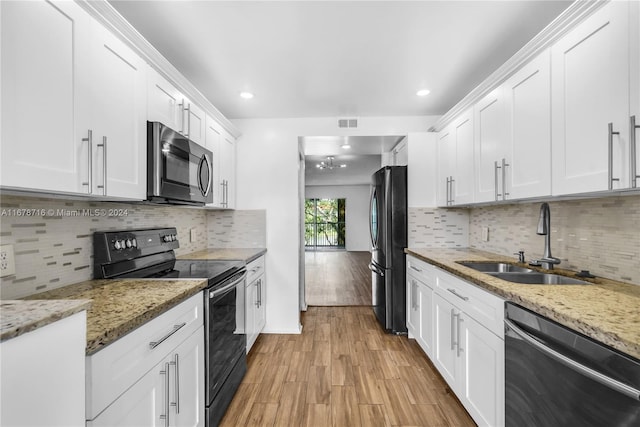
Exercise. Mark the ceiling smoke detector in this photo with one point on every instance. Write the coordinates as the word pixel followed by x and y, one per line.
pixel 329 164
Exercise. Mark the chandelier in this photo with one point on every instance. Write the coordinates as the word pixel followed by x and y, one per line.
pixel 329 164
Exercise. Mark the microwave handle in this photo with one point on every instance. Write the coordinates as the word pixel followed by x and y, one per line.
pixel 206 160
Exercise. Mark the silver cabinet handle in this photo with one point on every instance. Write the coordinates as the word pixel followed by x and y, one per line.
pixel 176 384
pixel 458 348
pixel 176 328
pixel 257 302
pixel 165 416
pixel 611 133
pixel 633 151
pixel 260 292
pixel 504 178
pixel 451 181
pixel 416 269
pixel 181 105
pixel 572 364
pixel 104 165
pixel 89 140
pixel 453 326
pixel 447 188
pixel 462 297
pixel 495 179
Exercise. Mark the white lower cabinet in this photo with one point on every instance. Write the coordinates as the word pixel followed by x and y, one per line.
pixel 255 310
pixel 420 282
pixel 153 376
pixel 467 341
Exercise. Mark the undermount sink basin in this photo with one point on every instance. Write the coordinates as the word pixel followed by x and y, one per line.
pixel 537 278
pixel 495 267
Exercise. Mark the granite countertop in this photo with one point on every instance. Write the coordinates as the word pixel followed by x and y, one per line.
pixel 245 254
pixel 608 310
pixel 18 317
pixel 119 306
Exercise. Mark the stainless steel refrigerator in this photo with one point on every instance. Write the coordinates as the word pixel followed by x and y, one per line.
pixel 388 227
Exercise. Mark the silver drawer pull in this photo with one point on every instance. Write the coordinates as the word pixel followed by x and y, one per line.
pixel 176 328
pixel 416 269
pixel 453 291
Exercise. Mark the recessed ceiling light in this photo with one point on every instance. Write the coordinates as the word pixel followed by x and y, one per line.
pixel 423 92
pixel 346 146
pixel 246 95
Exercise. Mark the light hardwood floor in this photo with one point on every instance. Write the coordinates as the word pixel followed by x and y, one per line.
pixel 337 278
pixel 342 371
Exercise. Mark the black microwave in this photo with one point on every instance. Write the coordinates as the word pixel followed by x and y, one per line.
pixel 179 171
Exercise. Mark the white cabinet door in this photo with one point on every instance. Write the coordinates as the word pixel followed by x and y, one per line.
pixel 213 137
pixel 188 370
pixel 228 170
pixel 444 356
pixel 44 48
pixel 464 176
pixel 482 372
pixel 194 122
pixel 163 100
pixel 590 90
pixel 413 308
pixel 490 146
pixel 251 300
pixel 117 101
pixel 635 91
pixel 528 102
pixel 141 405
pixel 446 166
pixel 425 321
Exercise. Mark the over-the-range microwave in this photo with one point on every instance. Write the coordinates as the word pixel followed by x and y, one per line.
pixel 179 171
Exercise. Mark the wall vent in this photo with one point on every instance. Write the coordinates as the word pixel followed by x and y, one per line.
pixel 348 123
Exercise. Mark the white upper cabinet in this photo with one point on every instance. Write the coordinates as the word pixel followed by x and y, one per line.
pixel 85 91
pixel 223 146
pixel 163 101
pixel 44 49
pixel 193 122
pixel 446 167
pixel 464 164
pixel 118 106
pixel 528 145
pixel 590 103
pixel 490 147
pixel 634 120
pixel 213 136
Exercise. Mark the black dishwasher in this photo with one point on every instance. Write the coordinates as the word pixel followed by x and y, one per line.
pixel 558 377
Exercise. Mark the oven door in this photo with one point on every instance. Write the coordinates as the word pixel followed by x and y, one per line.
pixel 180 171
pixel 225 337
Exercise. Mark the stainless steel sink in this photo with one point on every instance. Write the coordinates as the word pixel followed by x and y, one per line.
pixel 537 278
pixel 495 267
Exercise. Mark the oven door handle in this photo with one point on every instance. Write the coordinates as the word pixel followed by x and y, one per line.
pixel 213 294
pixel 572 364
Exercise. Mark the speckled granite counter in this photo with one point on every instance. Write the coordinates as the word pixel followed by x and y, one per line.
pixel 245 254
pixel 18 317
pixel 120 306
pixel 607 311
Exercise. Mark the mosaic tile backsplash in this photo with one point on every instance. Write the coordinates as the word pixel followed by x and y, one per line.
pixel 438 228
pixel 237 229
pixel 53 248
pixel 599 235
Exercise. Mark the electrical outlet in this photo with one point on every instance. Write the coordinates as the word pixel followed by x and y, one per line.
pixel 193 235
pixel 7 261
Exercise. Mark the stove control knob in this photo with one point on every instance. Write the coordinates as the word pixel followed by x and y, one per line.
pixel 117 245
pixel 174 237
pixel 134 243
pixel 165 238
pixel 128 243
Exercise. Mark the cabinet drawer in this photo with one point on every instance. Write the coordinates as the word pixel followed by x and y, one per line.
pixel 486 308
pixel 421 270
pixel 255 268
pixel 112 370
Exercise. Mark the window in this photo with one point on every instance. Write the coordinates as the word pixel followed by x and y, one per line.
pixel 324 223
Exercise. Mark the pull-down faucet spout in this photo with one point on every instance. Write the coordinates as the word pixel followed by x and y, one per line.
pixel 544 228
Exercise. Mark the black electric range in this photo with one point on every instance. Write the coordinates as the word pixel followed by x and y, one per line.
pixel 149 253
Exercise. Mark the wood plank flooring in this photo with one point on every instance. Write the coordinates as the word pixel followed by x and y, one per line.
pixel 337 278
pixel 342 371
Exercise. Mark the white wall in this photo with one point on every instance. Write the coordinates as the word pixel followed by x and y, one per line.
pixel 267 175
pixel 356 212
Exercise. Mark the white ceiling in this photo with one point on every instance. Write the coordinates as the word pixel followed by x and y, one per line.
pixel 337 58
pixel 358 171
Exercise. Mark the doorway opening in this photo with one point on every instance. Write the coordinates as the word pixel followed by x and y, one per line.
pixel 324 224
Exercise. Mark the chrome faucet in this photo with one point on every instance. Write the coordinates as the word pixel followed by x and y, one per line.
pixel 544 229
